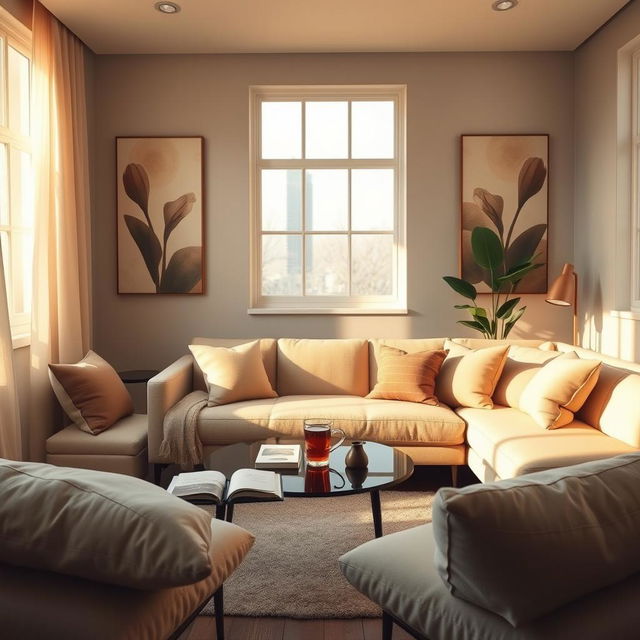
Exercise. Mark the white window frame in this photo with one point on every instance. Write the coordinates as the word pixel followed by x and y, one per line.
pixel 14 34
pixel 635 183
pixel 392 304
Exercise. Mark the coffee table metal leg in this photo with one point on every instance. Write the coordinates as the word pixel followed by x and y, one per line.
pixel 377 513
pixel 229 517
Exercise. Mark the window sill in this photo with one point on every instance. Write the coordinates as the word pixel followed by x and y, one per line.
pixel 257 311
pixel 21 341
pixel 625 314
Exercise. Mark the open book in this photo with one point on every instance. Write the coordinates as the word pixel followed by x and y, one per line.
pixel 213 487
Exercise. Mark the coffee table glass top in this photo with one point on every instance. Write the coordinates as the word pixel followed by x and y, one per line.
pixel 387 467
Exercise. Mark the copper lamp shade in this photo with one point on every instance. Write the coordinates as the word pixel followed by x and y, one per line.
pixel 564 293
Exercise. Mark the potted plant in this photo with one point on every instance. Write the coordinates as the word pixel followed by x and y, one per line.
pixel 502 263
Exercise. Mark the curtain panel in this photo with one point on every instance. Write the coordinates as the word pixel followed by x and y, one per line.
pixel 61 312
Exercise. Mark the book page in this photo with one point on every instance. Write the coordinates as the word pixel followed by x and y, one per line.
pixel 249 482
pixel 199 482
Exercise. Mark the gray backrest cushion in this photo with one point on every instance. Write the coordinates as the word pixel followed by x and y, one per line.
pixel 101 526
pixel 525 546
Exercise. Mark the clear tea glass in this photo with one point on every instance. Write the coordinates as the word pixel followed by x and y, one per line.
pixel 317 441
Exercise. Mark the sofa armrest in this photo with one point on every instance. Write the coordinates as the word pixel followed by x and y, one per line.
pixel 163 391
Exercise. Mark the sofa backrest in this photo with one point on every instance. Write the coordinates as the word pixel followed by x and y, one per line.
pixel 267 349
pixel 614 404
pixel 410 345
pixel 479 343
pixel 322 367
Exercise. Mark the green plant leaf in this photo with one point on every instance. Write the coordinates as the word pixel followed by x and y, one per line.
pixel 462 287
pixel 523 248
pixel 184 271
pixel 515 275
pixel 512 321
pixel 492 205
pixel 136 186
pixel 148 244
pixel 487 248
pixel 506 308
pixel 472 324
pixel 175 211
pixel 484 321
pixel 530 180
pixel 479 312
pixel 463 306
pixel 470 270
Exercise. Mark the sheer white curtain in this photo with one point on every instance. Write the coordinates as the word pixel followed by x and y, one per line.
pixel 61 312
pixel 10 437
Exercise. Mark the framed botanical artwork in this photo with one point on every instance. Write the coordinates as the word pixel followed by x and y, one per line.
pixel 160 208
pixel 505 188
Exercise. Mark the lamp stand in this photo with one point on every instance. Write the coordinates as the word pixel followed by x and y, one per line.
pixel 575 309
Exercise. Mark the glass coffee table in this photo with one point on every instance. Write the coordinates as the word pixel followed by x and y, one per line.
pixel 387 467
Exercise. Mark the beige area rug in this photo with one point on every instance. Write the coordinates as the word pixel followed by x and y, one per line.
pixel 292 570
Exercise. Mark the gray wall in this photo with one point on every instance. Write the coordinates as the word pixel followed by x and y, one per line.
pixel 601 210
pixel 448 94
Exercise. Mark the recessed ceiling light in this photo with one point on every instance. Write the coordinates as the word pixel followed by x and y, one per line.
pixel 167 7
pixel 504 5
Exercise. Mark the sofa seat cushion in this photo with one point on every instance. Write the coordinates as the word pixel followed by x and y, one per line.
pixel 387 421
pixel 512 443
pixel 397 572
pixel 127 437
pixel 71 607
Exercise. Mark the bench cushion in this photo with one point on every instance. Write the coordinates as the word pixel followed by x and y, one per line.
pixel 386 421
pixel 127 437
pixel 76 608
pixel 526 546
pixel 397 572
pixel 100 526
pixel 513 444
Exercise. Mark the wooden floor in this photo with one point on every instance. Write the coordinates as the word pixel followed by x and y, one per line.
pixel 239 628
pixel 204 628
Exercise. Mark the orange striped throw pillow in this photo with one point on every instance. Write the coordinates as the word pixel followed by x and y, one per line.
pixel 407 376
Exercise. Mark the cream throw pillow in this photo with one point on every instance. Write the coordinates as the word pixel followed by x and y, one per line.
pixel 559 389
pixel 468 377
pixel 521 365
pixel 233 374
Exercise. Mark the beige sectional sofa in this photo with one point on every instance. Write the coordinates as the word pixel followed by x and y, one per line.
pixel 329 379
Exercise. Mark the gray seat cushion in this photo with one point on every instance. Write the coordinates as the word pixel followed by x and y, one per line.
pixel 398 573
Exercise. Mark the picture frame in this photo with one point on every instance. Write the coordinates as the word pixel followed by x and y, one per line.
pixel 499 174
pixel 160 226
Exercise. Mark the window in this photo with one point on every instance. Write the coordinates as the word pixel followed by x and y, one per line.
pixel 16 174
pixel 328 199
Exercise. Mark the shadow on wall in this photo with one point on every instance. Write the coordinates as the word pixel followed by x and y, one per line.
pixel 591 321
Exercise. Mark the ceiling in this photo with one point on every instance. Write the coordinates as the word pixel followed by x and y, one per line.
pixel 285 26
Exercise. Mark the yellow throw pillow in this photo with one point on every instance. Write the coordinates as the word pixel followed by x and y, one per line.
pixel 521 365
pixel 468 377
pixel 559 389
pixel 233 374
pixel 407 376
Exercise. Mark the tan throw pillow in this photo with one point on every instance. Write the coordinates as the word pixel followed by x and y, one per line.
pixel 559 389
pixel 91 393
pixel 407 376
pixel 521 365
pixel 233 374
pixel 468 377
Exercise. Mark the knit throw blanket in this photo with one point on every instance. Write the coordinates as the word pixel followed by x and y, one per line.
pixel 181 442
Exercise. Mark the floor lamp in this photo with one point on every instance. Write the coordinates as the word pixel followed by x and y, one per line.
pixel 564 293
